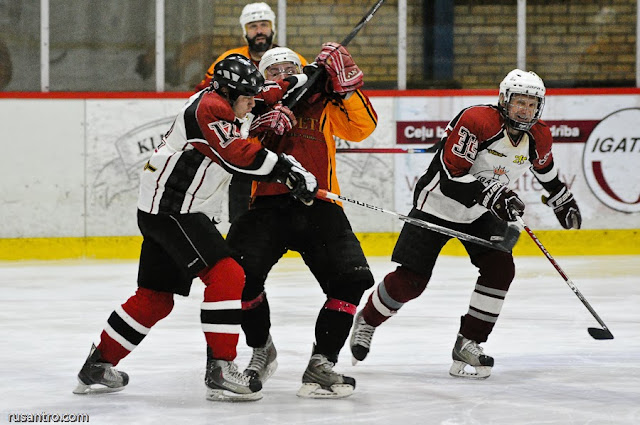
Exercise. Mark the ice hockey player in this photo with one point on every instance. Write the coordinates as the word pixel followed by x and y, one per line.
pixel 181 189
pixel 484 149
pixel 258 24
pixel 321 232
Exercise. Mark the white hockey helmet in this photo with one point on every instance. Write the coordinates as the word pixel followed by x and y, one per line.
pixel 257 12
pixel 521 82
pixel 279 55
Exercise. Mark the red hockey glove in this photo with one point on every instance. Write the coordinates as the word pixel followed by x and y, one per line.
pixel 501 201
pixel 279 120
pixel 565 207
pixel 344 74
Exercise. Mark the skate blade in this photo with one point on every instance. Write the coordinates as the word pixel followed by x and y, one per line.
pixel 354 361
pixel 82 389
pixel 458 370
pixel 229 396
pixel 316 391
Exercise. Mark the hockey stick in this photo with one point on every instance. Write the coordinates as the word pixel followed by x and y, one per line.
pixel 291 101
pixel 324 194
pixel 596 333
pixel 384 150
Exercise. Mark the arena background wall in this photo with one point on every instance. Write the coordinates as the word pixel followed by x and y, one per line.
pixel 71 163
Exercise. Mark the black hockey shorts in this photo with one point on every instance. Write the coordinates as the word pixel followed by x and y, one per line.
pixel 321 233
pixel 175 248
pixel 418 248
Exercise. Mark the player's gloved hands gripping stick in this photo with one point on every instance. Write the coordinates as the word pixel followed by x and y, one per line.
pixel 501 201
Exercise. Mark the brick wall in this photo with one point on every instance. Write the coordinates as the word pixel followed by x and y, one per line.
pixel 569 43
pixel 576 42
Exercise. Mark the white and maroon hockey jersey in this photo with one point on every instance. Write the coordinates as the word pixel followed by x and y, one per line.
pixel 190 170
pixel 475 151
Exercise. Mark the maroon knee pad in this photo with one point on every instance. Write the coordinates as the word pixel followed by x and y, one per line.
pixel 397 288
pixel 403 285
pixel 496 269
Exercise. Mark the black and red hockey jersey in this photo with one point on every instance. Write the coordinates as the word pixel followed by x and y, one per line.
pixel 476 150
pixel 190 170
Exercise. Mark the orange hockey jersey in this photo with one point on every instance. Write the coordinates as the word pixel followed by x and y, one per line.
pixel 311 141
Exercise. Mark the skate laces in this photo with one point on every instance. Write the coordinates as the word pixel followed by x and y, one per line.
pixel 230 373
pixel 473 348
pixel 323 363
pixel 258 359
pixel 109 373
pixel 363 333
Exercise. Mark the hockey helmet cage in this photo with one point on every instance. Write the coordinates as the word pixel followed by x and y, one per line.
pixel 521 82
pixel 257 12
pixel 239 75
pixel 279 55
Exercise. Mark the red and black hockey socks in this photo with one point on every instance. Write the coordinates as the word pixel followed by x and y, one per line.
pixel 131 322
pixel 221 310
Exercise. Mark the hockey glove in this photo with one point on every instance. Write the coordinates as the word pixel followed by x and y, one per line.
pixel 565 207
pixel 302 184
pixel 501 201
pixel 344 75
pixel 279 120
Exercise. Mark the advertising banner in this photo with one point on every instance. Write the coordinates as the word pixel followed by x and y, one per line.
pixel 596 148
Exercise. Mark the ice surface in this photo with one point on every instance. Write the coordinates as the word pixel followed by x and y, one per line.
pixel 548 369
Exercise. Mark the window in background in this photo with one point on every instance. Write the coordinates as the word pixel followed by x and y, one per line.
pixel 95 45
pixel 20 45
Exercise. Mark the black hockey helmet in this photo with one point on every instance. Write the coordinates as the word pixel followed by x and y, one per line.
pixel 239 75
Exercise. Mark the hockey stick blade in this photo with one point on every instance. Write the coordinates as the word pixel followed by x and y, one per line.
pixel 597 333
pixel 499 240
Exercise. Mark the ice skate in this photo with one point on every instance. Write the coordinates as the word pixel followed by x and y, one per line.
pixel 98 376
pixel 360 339
pixel 263 362
pixel 320 380
pixel 225 383
pixel 465 353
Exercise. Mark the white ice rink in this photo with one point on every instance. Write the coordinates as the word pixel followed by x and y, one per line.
pixel 548 369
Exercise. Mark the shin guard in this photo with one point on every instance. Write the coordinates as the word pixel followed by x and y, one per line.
pixel 332 327
pixel 397 288
pixel 256 322
pixel 221 311
pixel 496 274
pixel 131 322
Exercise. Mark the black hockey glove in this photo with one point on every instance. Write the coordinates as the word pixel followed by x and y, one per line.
pixel 302 184
pixel 320 84
pixel 501 201
pixel 565 207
